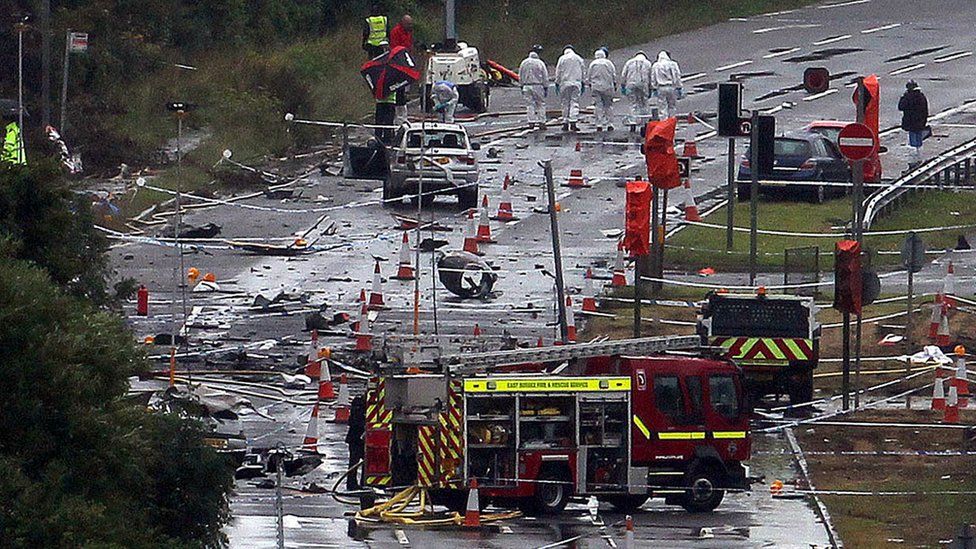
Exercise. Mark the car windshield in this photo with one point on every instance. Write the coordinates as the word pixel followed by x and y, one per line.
pixel 830 133
pixel 792 147
pixel 437 139
pixel 722 395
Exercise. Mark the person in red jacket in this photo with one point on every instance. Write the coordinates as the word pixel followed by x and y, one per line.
pixel 402 35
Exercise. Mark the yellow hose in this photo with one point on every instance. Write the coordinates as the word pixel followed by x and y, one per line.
pixel 394 511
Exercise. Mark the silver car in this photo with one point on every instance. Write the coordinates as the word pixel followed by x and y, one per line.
pixel 448 166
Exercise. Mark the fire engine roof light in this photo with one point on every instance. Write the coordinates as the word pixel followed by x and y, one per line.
pixel 722 291
pixel 761 292
pixel 960 350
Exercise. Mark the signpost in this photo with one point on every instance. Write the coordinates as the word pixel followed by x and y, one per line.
pixel 913 259
pixel 857 142
pixel 74 42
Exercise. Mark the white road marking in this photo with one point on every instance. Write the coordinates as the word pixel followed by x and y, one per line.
pixel 952 57
pixel 881 28
pixel 816 96
pixel 764 30
pixel 831 40
pixel 775 13
pixel 694 76
pixel 781 53
pixel 401 537
pixel 842 4
pixel 733 65
pixel 909 68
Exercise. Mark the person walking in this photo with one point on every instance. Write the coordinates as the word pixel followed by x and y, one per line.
pixel 375 30
pixel 401 36
pixel 914 109
pixel 445 96
pixel 666 83
pixel 636 84
pixel 385 113
pixel 570 73
pixel 534 77
pixel 355 439
pixel 601 77
pixel 13 142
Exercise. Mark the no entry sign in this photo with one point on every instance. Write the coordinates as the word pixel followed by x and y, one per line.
pixel 857 142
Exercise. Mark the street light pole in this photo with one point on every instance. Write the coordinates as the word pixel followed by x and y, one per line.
pixel 556 252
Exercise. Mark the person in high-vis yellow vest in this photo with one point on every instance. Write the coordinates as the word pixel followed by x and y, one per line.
pixel 13 145
pixel 375 30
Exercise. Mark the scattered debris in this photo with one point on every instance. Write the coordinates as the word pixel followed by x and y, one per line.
pixel 466 275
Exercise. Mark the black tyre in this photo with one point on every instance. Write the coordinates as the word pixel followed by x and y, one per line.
pixel 703 494
pixel 743 191
pixel 468 197
pixel 389 193
pixel 475 97
pixel 551 495
pixel 628 503
pixel 800 388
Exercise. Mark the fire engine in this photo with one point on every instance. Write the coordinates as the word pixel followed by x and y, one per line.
pixel 622 421
pixel 774 338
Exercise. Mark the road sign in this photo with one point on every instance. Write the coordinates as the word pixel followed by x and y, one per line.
pixel 684 168
pixel 745 127
pixel 913 253
pixel 857 142
pixel 78 42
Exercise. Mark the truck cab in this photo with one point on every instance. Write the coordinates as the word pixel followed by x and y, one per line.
pixel 623 429
pixel 774 338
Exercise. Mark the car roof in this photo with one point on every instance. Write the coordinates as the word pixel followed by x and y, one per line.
pixel 434 126
pixel 802 136
pixel 826 124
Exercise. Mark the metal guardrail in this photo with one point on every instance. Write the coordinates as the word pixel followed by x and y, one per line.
pixel 954 167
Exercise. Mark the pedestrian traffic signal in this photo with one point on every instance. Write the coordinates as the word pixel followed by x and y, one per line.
pixel 816 80
pixel 847 277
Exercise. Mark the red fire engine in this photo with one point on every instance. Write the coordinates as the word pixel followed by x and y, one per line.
pixel 628 423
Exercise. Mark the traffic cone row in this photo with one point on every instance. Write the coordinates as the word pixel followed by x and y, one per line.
pixel 313 368
pixel 576 179
pixel 949 287
pixel 619 278
pixel 405 268
pixel 936 317
pixel 690 149
pixel 471 236
pixel 570 320
pixel 311 440
pixel 472 511
pixel 484 228
pixel 691 209
pixel 589 296
pixel 942 335
pixel 364 338
pixel 505 211
pixel 960 380
pixel 938 394
pixel 376 300
pixel 952 406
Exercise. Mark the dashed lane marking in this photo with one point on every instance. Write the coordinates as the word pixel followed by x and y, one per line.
pixel 952 57
pixel 831 40
pixel 909 68
pixel 781 53
pixel 881 28
pixel 764 30
pixel 842 4
pixel 733 65
pixel 694 76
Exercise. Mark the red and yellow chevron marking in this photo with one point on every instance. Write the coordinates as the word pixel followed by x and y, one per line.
pixel 768 349
pixel 451 447
pixel 376 412
pixel 426 456
pixel 378 480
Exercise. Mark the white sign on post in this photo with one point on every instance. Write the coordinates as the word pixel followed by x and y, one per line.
pixel 78 42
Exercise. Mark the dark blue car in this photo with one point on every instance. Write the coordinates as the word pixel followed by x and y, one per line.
pixel 805 158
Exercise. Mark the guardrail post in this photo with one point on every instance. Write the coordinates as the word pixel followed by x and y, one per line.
pixel 969 162
pixel 958 175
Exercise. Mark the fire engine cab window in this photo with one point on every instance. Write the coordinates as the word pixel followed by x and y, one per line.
pixel 667 396
pixel 695 396
pixel 722 395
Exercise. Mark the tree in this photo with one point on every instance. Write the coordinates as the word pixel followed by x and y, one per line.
pixel 43 221
pixel 79 464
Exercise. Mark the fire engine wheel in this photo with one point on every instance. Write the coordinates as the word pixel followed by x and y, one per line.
pixel 627 504
pixel 703 494
pixel 551 495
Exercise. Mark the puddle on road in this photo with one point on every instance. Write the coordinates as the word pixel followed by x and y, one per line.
pixel 915 53
pixel 821 55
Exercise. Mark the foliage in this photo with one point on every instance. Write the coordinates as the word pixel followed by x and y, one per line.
pixel 44 222
pixel 79 465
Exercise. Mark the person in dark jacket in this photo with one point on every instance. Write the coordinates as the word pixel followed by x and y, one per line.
pixel 915 116
pixel 354 438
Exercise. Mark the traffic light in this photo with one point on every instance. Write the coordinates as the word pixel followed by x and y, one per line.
pixel 764 140
pixel 816 80
pixel 847 277
pixel 729 109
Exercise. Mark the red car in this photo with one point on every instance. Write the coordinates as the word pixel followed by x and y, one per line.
pixel 831 129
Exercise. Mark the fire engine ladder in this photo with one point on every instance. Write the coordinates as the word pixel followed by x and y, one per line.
pixel 473 362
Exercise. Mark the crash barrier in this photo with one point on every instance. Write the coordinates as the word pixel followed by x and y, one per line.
pixel 832 236
pixel 949 169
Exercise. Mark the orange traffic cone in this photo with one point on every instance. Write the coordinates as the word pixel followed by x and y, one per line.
pixel 936 318
pixel 505 211
pixel 313 368
pixel 952 406
pixel 629 534
pixel 619 279
pixel 570 320
pixel 477 330
pixel 376 294
pixel 484 228
pixel 364 339
pixel 690 149
pixel 362 296
pixel 405 269
pixel 472 511
pixel 311 440
pixel 576 179
pixel 691 209
pixel 942 335
pixel 949 286
pixel 539 342
pixel 326 390
pixel 471 238
pixel 960 381
pixel 342 404
pixel 589 297
pixel 691 118
pixel 938 395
